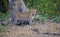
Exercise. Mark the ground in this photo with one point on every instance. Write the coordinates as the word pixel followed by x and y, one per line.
pixel 32 30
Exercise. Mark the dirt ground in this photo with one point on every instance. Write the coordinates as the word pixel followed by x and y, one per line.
pixel 32 30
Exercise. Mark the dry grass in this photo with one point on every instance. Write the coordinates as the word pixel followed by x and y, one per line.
pixel 26 31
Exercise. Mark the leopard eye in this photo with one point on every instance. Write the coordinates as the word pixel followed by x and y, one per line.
pixel 32 14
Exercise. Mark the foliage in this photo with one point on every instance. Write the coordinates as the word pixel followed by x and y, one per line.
pixel 41 18
pixel 6 16
pixel 3 6
pixel 46 8
pixel 2 29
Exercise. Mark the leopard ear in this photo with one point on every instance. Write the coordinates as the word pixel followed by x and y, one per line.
pixel 34 10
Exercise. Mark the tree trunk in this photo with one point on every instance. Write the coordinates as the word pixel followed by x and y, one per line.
pixel 17 6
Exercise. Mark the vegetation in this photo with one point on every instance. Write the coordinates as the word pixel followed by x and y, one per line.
pixel 3 6
pixel 46 9
pixel 4 12
pixel 2 29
